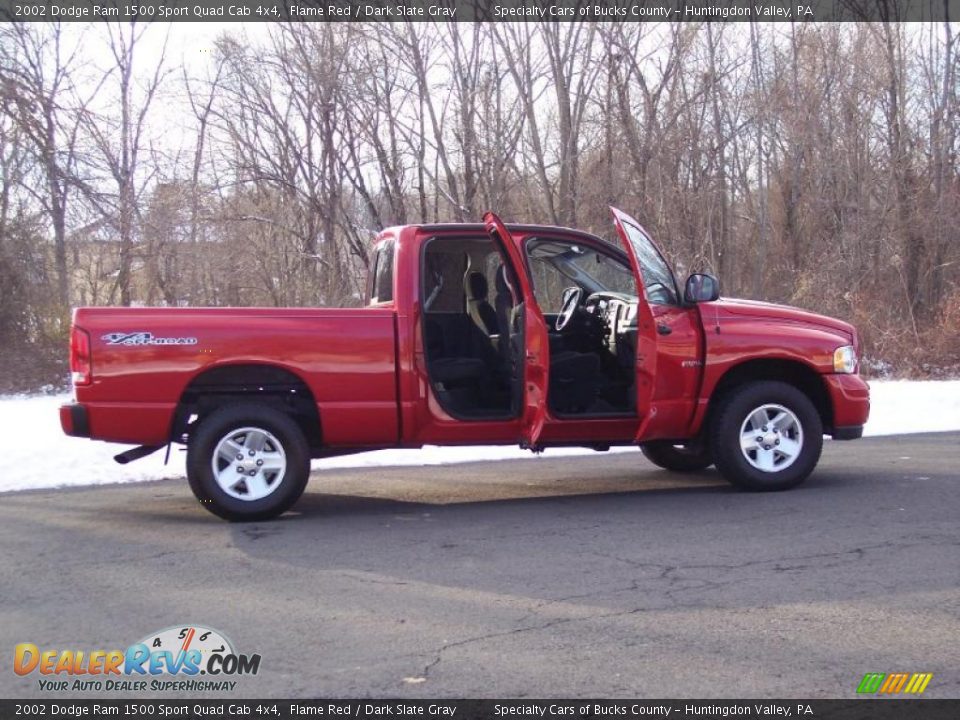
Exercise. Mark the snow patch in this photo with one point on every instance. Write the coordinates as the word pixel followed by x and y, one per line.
pixel 901 407
pixel 43 457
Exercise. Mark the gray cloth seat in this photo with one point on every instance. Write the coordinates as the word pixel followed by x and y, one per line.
pixel 460 353
pixel 478 306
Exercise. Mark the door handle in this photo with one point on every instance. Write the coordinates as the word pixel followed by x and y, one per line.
pixel 663 329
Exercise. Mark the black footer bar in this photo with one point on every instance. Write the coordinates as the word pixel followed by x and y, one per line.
pixel 372 709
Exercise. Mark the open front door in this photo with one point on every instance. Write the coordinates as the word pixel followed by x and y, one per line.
pixel 638 245
pixel 533 342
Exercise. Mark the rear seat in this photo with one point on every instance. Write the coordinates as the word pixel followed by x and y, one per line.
pixel 458 352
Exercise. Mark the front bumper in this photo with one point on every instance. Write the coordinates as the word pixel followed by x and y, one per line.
pixel 850 400
pixel 849 432
pixel 75 420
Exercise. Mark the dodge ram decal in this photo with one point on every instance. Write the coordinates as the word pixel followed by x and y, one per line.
pixel 145 338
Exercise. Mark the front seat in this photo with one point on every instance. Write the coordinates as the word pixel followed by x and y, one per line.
pixel 478 307
pixel 574 377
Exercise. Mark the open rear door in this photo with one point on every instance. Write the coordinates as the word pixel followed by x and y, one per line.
pixel 535 355
pixel 638 243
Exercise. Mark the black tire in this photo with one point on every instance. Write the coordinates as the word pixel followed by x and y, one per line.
pixel 678 458
pixel 737 465
pixel 279 429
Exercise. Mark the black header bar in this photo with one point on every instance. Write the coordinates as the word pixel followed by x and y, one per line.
pixel 480 10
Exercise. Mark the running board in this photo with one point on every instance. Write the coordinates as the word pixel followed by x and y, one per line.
pixel 136 453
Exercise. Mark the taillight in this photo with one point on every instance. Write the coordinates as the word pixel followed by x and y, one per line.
pixel 80 362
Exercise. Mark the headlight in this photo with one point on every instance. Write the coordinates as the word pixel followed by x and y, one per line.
pixel 845 359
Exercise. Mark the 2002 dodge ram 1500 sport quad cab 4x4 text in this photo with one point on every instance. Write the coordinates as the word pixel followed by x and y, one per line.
pixel 473 334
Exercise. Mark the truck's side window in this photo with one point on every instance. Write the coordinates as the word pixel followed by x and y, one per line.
pixel 548 285
pixel 558 264
pixel 443 277
pixel 382 290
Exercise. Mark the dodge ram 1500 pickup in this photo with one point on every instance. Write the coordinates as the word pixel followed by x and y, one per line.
pixel 473 334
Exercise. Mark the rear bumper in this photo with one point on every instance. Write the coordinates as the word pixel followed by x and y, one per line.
pixel 140 423
pixel 74 420
pixel 850 398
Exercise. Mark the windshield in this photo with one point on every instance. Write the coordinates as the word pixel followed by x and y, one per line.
pixel 605 272
pixel 657 276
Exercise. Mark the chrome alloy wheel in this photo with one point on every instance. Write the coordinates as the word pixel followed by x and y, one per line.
pixel 249 463
pixel 771 438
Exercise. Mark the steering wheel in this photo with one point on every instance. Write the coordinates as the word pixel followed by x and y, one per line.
pixel 571 300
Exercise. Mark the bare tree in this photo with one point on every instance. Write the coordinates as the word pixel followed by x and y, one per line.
pixel 37 69
pixel 119 142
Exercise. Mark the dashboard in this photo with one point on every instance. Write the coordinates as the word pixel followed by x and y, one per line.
pixel 617 315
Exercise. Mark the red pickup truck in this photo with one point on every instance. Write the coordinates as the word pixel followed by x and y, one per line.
pixel 473 334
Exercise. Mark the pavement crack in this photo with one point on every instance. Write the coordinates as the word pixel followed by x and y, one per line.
pixel 257 531
pixel 373 580
pixel 519 631
pixel 782 564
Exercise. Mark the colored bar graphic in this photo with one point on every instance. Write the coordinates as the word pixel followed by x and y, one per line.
pixel 894 683
pixel 871 682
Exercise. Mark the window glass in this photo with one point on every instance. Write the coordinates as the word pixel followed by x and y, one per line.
pixel 611 274
pixel 383 274
pixel 445 264
pixel 657 277
pixel 556 265
pixel 493 264
pixel 548 285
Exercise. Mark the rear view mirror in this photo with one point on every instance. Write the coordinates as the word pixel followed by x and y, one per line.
pixel 700 288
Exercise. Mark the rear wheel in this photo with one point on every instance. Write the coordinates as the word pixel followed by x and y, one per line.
pixel 247 462
pixel 766 436
pixel 678 458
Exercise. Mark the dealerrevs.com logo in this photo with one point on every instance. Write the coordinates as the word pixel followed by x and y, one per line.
pixel 181 658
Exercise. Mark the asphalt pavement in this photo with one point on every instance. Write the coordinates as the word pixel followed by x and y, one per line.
pixel 593 576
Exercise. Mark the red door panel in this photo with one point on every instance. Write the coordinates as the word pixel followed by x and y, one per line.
pixel 679 368
pixel 632 235
pixel 536 338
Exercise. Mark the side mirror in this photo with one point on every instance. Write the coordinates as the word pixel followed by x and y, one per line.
pixel 700 288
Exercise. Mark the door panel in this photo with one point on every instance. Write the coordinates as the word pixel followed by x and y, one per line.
pixel 632 235
pixel 679 368
pixel 536 360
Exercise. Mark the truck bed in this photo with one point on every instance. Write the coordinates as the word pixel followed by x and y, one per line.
pixel 144 359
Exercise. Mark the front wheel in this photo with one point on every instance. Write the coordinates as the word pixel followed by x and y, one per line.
pixel 247 462
pixel 678 458
pixel 766 436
